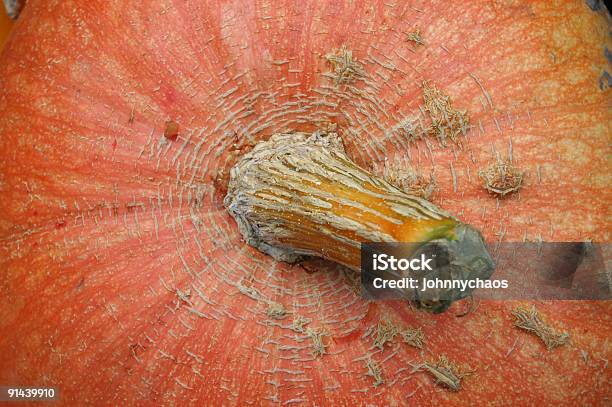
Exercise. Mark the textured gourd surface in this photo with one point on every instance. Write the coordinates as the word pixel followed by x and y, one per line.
pixel 124 279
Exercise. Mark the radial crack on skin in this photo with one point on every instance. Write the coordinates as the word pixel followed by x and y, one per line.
pixel 410 180
pixel 413 337
pixel 345 68
pixel 447 122
pixel 299 323
pixel 276 310
pixel 299 194
pixel 530 321
pixel 444 372
pixel 317 335
pixel 415 36
pixel 385 333
pixel 374 370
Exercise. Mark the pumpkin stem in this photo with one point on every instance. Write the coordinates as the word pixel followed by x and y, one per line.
pixel 299 194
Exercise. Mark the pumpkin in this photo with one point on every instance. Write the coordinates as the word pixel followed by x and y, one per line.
pixel 126 281
pixel 5 27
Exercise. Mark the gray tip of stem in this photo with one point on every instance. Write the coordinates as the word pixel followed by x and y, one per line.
pixel 466 258
pixel 13 8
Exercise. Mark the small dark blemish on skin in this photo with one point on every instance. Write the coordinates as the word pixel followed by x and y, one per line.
pixel 608 55
pixel 80 284
pixel 132 115
pixel 172 130
pixel 605 81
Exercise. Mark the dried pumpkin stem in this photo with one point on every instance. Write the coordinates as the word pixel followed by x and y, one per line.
pixel 299 194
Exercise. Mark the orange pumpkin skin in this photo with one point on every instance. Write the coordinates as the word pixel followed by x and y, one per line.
pixel 121 270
